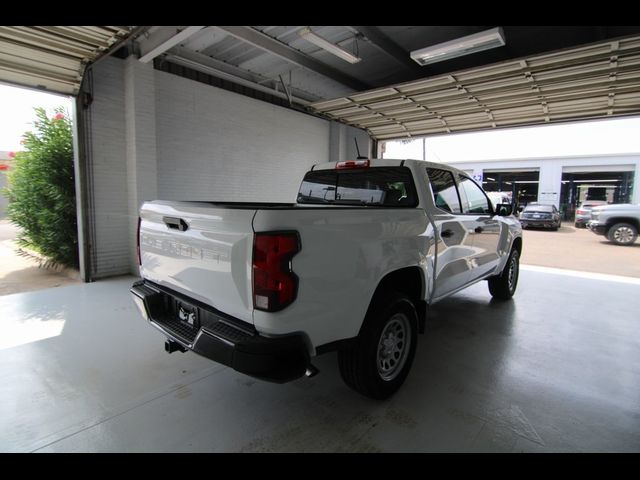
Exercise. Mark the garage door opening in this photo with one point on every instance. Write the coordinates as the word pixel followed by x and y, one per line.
pixel 520 185
pixel 36 191
pixel 605 186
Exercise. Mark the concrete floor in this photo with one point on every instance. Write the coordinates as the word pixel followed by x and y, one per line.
pixel 579 249
pixel 79 371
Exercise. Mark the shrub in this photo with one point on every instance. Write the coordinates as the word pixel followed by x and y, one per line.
pixel 41 191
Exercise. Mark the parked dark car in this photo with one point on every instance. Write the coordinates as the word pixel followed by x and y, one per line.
pixel 583 213
pixel 540 216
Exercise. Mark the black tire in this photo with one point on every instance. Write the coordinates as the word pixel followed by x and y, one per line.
pixel 503 286
pixel 365 367
pixel 622 234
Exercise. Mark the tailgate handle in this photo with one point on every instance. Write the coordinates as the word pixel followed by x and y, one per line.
pixel 175 223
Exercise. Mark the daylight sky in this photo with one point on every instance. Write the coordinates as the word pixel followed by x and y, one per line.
pixel 17 117
pixel 599 137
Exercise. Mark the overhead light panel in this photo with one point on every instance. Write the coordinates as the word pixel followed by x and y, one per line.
pixel 309 36
pixel 461 46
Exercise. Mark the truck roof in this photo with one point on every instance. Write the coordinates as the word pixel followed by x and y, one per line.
pixel 391 162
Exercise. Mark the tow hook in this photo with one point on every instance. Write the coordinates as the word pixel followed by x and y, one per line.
pixel 170 346
pixel 311 371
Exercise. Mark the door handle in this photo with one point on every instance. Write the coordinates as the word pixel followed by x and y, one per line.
pixel 479 230
pixel 446 233
pixel 175 223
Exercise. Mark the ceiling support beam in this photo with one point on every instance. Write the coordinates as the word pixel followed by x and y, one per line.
pixel 268 44
pixel 231 71
pixel 163 39
pixel 389 47
pixel 234 79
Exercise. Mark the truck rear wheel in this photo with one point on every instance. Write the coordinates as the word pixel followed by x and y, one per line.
pixel 622 234
pixel 504 285
pixel 379 361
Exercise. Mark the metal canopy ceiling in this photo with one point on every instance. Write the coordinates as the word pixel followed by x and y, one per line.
pixel 599 80
pixel 54 58
pixel 523 83
pixel 592 73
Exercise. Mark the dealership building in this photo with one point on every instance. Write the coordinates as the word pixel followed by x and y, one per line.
pixel 563 181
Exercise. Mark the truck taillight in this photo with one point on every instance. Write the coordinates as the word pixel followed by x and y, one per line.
pixel 138 242
pixel 352 164
pixel 274 284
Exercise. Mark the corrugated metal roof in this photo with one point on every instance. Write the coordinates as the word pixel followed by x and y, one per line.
pixel 598 80
pixel 53 58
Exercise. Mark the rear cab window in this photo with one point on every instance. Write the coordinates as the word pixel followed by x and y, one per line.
pixel 477 201
pixel 445 193
pixel 373 186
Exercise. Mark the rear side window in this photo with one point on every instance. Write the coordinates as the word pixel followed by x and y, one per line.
pixel 381 186
pixel 445 194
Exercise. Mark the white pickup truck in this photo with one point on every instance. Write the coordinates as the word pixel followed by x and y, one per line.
pixel 352 267
pixel 620 223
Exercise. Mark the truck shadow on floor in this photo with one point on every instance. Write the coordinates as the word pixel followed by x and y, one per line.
pixel 442 405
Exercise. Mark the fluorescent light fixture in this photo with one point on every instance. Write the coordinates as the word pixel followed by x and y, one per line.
pixel 309 36
pixel 461 46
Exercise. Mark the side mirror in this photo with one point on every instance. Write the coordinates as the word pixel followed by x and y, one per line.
pixel 504 209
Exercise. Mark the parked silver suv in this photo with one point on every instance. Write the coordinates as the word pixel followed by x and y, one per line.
pixel 583 213
pixel 620 223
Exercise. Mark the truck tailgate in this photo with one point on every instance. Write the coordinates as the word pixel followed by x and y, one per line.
pixel 200 250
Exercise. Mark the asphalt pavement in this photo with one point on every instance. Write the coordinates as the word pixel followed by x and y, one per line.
pixel 579 249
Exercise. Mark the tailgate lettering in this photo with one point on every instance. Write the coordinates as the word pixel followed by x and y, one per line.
pixel 179 249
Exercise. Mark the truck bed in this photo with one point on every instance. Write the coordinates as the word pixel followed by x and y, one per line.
pixel 211 261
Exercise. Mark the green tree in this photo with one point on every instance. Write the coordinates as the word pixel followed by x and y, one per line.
pixel 41 191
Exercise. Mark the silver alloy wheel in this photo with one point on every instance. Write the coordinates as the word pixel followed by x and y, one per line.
pixel 512 276
pixel 623 235
pixel 393 347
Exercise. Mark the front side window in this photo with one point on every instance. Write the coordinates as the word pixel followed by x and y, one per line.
pixel 376 186
pixel 445 194
pixel 477 201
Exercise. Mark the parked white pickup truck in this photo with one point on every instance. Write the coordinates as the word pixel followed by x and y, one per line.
pixel 620 223
pixel 351 267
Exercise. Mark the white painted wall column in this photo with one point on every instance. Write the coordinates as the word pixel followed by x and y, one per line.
pixel 342 145
pixel 550 183
pixel 336 142
pixel 141 152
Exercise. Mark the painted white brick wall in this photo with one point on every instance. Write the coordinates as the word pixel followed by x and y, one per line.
pixel 157 135
pixel 142 172
pixel 111 245
pixel 218 145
